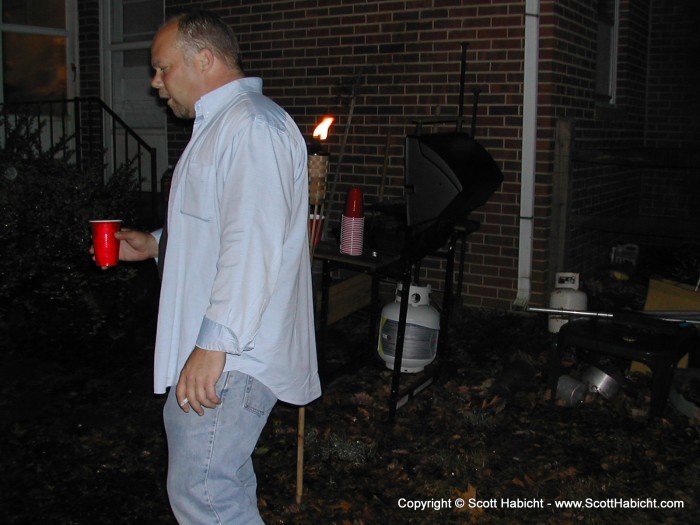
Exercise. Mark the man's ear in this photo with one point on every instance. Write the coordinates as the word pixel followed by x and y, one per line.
pixel 205 60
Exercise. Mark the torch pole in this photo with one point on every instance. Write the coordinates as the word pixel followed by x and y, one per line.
pixel 317 165
pixel 314 228
pixel 300 453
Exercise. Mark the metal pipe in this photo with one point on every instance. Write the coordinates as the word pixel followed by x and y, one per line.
pixel 562 311
pixel 529 153
pixel 462 79
pixel 671 316
pixel 475 110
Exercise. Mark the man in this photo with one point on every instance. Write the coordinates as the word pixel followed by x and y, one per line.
pixel 235 322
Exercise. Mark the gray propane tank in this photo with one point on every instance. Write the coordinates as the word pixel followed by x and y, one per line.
pixel 422 330
pixel 566 296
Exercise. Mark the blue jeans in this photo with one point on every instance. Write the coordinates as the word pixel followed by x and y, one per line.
pixel 210 470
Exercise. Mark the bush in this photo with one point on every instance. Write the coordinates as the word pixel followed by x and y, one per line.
pixel 46 273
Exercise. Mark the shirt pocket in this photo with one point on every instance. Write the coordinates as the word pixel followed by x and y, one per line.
pixel 199 192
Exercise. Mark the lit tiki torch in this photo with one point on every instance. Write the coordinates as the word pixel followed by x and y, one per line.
pixel 318 164
pixel 318 175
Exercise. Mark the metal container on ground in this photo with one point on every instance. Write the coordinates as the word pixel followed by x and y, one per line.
pixel 422 330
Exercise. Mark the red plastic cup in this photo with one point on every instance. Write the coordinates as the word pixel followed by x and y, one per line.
pixel 353 206
pixel 106 245
pixel 351 235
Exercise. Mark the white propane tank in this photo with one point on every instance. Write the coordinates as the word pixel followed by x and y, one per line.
pixel 566 296
pixel 422 329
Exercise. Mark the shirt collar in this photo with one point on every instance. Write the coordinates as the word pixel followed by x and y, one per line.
pixel 211 103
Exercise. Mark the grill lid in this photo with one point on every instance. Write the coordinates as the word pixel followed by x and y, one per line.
pixel 448 175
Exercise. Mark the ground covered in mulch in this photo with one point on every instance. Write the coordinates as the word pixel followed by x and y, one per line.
pixel 83 439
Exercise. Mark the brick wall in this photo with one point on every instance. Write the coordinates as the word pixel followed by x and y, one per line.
pixel 402 61
pixel 673 110
pixel 674 76
pixel 90 81
pixel 612 191
pixel 89 47
pixel 655 108
pixel 569 78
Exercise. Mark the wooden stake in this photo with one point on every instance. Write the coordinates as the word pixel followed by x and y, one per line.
pixel 314 228
pixel 300 453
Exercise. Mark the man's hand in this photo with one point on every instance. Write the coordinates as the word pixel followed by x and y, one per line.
pixel 196 387
pixel 135 245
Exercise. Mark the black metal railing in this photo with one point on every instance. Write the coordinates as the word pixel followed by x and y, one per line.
pixel 91 132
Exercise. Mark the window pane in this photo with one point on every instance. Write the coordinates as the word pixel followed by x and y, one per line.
pixel 40 13
pixel 34 66
pixel 141 19
pixel 137 58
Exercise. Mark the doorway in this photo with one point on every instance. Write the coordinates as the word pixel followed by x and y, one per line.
pixel 128 28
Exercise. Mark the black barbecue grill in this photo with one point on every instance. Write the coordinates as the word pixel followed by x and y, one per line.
pixel 447 176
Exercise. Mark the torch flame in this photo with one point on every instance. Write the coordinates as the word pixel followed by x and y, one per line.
pixel 321 131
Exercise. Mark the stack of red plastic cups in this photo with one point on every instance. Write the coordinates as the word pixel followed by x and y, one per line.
pixel 352 225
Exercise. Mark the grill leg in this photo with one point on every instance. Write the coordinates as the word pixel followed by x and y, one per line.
pixel 398 353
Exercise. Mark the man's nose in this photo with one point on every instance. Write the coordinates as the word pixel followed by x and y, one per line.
pixel 156 80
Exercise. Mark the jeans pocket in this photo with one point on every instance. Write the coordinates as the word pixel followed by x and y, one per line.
pixel 258 399
pixel 221 384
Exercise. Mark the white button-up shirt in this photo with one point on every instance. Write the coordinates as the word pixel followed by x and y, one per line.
pixel 237 271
